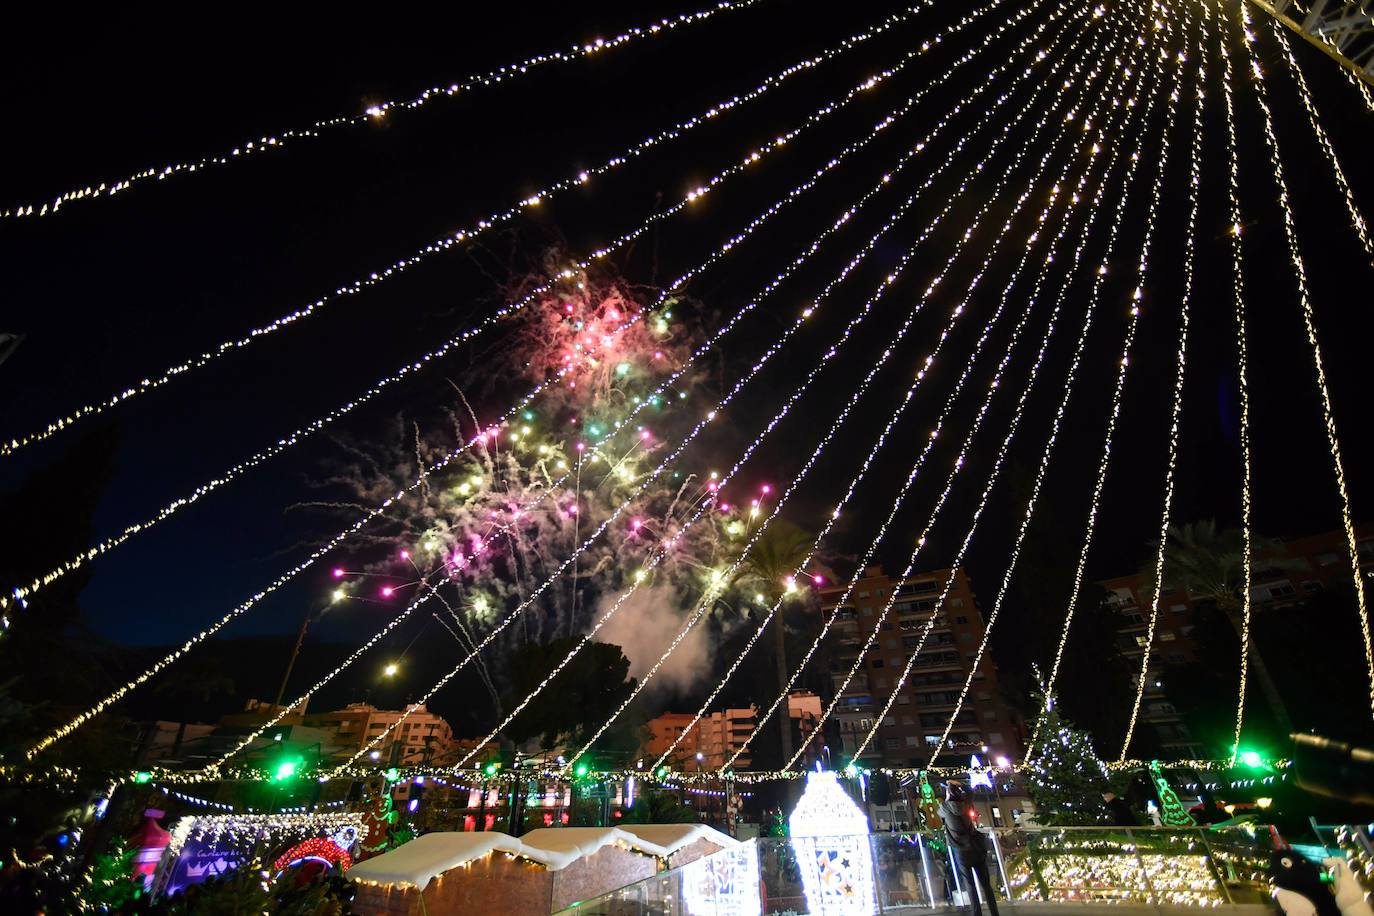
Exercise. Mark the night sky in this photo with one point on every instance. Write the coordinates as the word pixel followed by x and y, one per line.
pixel 112 291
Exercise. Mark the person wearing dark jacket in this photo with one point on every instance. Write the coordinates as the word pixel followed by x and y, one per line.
pixel 967 844
pixel 1120 809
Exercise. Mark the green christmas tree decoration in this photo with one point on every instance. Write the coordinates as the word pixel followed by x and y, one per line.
pixel 1067 779
pixel 1171 809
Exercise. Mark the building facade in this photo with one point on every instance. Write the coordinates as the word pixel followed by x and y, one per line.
pixel 423 737
pixel 720 734
pixel 895 612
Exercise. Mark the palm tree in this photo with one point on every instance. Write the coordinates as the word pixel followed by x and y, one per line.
pixel 775 557
pixel 1210 565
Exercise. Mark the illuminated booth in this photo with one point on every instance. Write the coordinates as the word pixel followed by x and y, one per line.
pixel 539 873
pixel 830 838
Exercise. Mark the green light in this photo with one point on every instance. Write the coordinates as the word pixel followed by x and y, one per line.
pixel 662 770
pixel 581 769
pixel 285 770
pixel 622 369
pixel 1251 759
pixel 595 431
pixel 392 775
pixel 491 768
pixel 143 776
pixel 529 415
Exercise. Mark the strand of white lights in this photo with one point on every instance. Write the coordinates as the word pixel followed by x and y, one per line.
pixel 853 209
pixel 479 439
pixel 1194 181
pixel 845 217
pixel 724 577
pixel 339 669
pixel 1356 219
pixel 1242 362
pixel 887 121
pixel 171 657
pixel 281 580
pixel 930 443
pixel 1361 87
pixel 710 416
pixel 1300 275
pixel 300 434
pixel 1123 364
pixel 314 426
pixel 992 478
pixel 265 143
pixel 1070 378
pixel 20 594
pixel 494 219
pixel 853 484
pixel 431 591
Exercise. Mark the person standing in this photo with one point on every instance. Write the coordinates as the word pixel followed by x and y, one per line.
pixel 967 844
pixel 1120 810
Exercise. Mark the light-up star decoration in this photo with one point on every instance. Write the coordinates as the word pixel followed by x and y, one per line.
pixel 977 775
pixel 830 838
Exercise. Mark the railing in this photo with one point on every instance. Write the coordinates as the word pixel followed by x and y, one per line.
pixel 889 873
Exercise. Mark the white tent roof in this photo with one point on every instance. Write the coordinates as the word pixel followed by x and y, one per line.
pixel 553 847
pixel 432 854
pixel 669 838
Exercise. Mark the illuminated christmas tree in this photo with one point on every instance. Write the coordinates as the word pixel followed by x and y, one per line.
pixel 1067 778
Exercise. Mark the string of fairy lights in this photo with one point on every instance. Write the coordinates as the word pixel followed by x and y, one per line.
pixel 300 434
pixel 957 310
pixel 1176 411
pixel 834 516
pixel 1242 383
pixel 1115 411
pixel 342 536
pixel 710 416
pixel 108 189
pixel 1300 277
pixel 1356 218
pixel 391 626
pixel 1108 84
pixel 705 604
pixel 992 477
pixel 1070 378
pixel 521 706
pixel 481 226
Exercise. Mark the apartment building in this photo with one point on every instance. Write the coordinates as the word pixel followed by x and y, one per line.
pixel 895 612
pixel 720 734
pixel 422 738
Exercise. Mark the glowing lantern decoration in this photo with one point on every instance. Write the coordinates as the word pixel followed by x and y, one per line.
pixel 830 837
